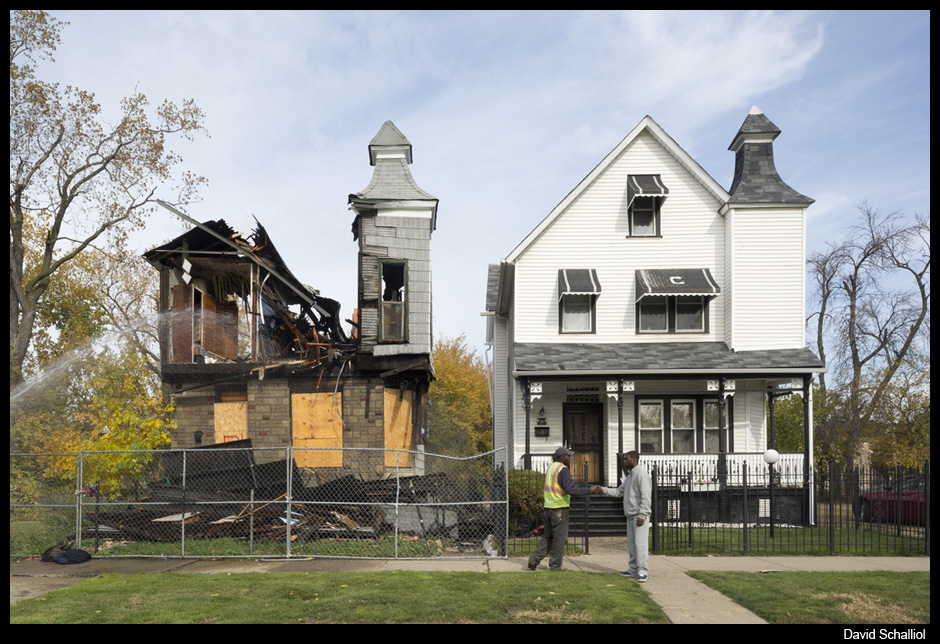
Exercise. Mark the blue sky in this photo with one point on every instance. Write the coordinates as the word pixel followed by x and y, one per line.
pixel 507 112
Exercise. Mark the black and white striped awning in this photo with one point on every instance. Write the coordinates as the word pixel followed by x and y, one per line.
pixel 578 281
pixel 645 185
pixel 675 281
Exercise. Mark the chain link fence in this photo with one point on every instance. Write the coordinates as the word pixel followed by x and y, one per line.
pixel 257 502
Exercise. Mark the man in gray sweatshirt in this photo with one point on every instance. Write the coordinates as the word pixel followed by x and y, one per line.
pixel 636 491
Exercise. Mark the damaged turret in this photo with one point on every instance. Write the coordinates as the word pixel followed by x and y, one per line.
pixel 253 356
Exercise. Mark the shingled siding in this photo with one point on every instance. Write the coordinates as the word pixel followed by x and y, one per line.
pixel 408 239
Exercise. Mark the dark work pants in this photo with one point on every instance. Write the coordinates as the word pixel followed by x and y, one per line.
pixel 554 536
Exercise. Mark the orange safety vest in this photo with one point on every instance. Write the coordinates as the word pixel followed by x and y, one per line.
pixel 555 496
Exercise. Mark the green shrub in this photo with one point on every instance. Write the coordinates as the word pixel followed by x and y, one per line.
pixel 525 499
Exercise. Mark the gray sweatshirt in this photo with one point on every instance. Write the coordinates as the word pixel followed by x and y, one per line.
pixel 636 491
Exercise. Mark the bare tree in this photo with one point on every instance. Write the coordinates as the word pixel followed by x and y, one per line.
pixel 76 179
pixel 874 306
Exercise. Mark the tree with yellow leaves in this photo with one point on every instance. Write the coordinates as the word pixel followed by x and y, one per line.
pixel 460 421
pixel 77 179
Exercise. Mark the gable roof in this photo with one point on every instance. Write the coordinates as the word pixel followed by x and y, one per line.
pixel 647 125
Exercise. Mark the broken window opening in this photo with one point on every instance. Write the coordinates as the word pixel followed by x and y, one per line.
pixel 394 302
pixel 232 299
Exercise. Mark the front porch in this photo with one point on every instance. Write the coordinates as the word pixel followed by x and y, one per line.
pixel 703 472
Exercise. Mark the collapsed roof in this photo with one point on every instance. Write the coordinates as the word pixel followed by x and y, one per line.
pixel 232 298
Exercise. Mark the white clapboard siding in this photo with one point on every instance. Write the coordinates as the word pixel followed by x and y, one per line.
pixel 592 233
pixel 766 294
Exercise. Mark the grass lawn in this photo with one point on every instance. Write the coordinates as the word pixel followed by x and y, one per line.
pixel 877 597
pixel 567 597
pixel 877 541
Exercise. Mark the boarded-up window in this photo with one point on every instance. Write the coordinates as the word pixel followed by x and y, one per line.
pixel 231 421
pixel 317 422
pixel 398 434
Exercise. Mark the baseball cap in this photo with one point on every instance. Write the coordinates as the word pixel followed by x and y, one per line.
pixel 563 450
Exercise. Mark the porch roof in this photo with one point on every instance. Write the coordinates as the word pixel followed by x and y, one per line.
pixel 658 358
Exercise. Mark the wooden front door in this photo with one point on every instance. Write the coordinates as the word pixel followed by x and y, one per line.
pixel 582 434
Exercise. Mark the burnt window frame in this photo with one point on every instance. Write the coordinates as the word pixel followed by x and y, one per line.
pixel 383 264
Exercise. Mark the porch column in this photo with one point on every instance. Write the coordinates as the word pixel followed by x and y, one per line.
pixel 527 403
pixel 619 418
pixel 809 489
pixel 772 438
pixel 722 436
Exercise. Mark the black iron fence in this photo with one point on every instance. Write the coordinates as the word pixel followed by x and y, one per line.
pixel 701 508
pixel 834 512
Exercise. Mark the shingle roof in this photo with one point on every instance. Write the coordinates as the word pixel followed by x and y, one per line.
pixel 492 286
pixel 391 179
pixel 581 358
pixel 755 175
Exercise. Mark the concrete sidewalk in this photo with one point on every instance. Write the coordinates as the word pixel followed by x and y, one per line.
pixel 684 600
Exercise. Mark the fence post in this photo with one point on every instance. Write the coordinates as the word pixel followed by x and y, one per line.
pixel 289 478
pixel 744 526
pixel 79 467
pixel 897 499
pixel 587 512
pixel 832 510
pixel 397 497
pixel 183 516
pixel 655 517
pixel 251 523
pixel 927 507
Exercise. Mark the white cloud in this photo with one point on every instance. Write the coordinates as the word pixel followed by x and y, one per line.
pixel 507 111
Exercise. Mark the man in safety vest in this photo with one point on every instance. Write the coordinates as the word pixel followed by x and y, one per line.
pixel 559 486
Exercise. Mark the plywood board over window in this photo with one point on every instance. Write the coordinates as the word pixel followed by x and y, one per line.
pixel 231 421
pixel 398 434
pixel 316 421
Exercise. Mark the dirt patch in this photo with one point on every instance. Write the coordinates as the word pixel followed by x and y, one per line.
pixel 870 608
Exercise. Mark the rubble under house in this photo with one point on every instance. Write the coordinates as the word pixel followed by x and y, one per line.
pixel 252 354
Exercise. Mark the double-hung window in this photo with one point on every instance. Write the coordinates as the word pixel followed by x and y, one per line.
pixel 674 300
pixel 651 426
pixel 680 425
pixel 644 217
pixel 578 289
pixel 645 196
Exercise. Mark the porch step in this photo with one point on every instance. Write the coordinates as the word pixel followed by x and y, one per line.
pixel 605 518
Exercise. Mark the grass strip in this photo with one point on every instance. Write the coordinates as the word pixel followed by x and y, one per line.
pixel 346 598
pixel 873 597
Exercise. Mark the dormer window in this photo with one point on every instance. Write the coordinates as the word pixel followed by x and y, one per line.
pixel 645 196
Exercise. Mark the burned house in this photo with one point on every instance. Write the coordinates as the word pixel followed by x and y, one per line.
pixel 252 353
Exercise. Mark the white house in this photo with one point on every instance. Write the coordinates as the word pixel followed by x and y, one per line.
pixel 654 310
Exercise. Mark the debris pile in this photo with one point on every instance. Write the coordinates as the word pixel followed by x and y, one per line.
pixel 212 493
